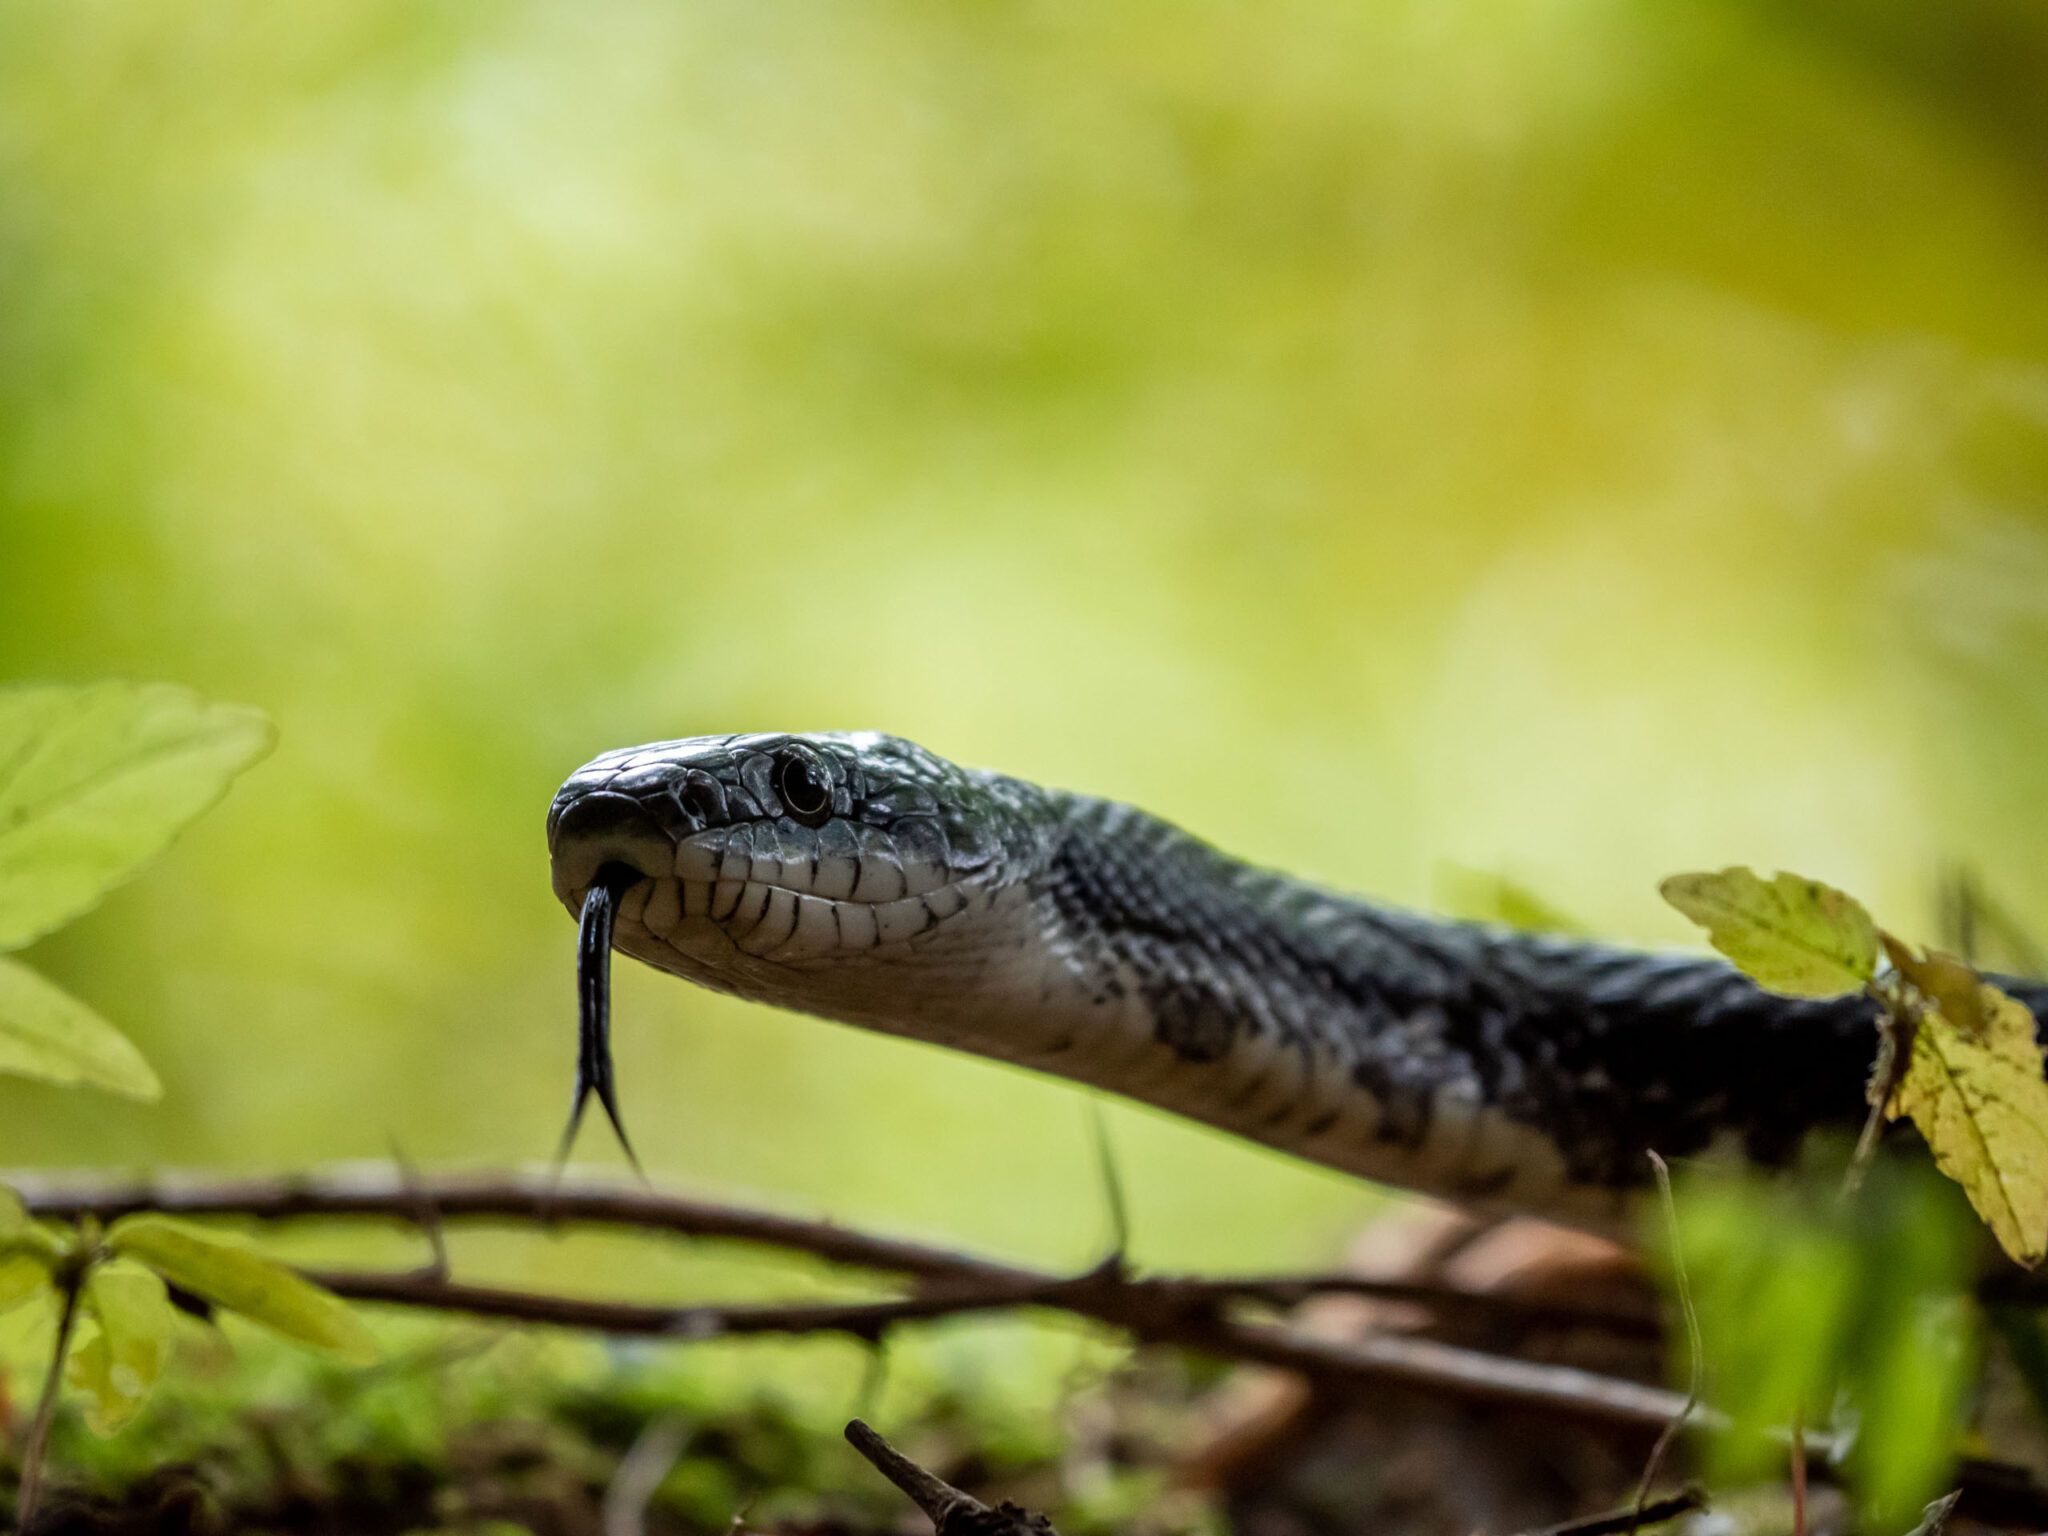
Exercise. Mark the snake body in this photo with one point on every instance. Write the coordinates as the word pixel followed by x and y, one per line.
pixel 865 879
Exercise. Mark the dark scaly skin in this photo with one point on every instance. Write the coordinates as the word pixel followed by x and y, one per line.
pixel 1089 939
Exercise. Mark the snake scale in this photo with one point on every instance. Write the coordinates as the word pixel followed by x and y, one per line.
pixel 865 879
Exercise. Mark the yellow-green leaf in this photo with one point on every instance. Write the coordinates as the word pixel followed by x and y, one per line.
pixel 1981 1103
pixel 21 1276
pixel 1481 897
pixel 96 780
pixel 121 1363
pixel 233 1277
pixel 1947 982
pixel 1790 934
pixel 45 1032
pixel 39 1240
pixel 25 1251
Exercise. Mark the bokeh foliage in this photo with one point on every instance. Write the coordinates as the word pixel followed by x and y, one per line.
pixel 1580 440
pixel 1850 1319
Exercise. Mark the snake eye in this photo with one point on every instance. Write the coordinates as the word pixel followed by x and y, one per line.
pixel 800 781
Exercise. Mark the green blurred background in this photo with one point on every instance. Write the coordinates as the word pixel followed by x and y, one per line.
pixel 1568 438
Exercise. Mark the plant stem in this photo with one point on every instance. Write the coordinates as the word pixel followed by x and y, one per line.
pixel 1695 1350
pixel 1799 1476
pixel 46 1408
pixel 1898 1021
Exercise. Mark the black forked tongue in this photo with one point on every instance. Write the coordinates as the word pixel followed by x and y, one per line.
pixel 594 1009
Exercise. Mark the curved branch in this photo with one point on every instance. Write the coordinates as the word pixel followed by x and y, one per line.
pixel 376 1191
pixel 373 1190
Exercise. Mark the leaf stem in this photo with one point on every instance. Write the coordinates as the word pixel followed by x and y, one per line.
pixel 71 1282
pixel 1898 1025
pixel 1799 1476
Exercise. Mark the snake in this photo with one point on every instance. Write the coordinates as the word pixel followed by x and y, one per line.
pixel 864 879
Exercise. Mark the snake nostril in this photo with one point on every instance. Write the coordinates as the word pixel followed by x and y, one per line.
pixel 604 816
pixel 602 830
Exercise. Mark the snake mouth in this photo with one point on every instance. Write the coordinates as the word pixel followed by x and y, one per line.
pixel 778 893
pixel 789 895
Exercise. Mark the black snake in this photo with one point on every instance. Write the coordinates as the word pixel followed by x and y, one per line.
pixel 865 879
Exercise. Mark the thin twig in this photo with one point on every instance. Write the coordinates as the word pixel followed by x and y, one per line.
pixel 1112 1184
pixel 1694 1353
pixel 425 1215
pixel 934 1495
pixel 1683 1502
pixel 863 1319
pixel 71 1282
pixel 951 1511
pixel 1898 1021
pixel 1623 1317
pixel 371 1191
pixel 1934 1517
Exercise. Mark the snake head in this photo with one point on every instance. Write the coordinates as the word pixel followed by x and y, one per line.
pixel 745 862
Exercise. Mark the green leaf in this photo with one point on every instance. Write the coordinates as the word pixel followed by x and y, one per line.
pixel 121 1363
pixel 1792 934
pixel 45 1032
pixel 25 1252
pixel 233 1277
pixel 21 1277
pixel 97 780
pixel 1980 1102
pixel 1912 1383
pixel 42 1241
pixel 1851 1306
pixel 1776 1318
pixel 1913 1362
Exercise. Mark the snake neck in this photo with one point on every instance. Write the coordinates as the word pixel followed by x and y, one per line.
pixel 1502 1070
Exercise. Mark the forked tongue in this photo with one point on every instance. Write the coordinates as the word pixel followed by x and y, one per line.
pixel 594 1010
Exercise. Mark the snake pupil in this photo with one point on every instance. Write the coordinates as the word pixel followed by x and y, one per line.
pixel 801 784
